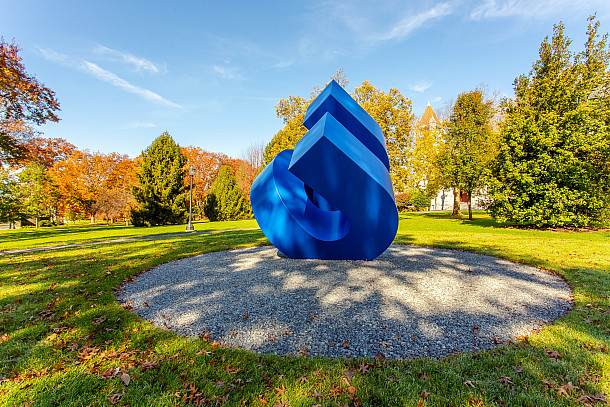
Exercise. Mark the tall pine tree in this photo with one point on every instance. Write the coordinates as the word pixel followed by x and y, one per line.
pixel 161 194
pixel 225 200
pixel 554 163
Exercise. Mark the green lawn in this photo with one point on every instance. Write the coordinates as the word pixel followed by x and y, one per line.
pixel 82 232
pixel 64 340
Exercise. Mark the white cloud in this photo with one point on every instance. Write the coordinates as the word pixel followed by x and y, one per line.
pixel 112 79
pixel 436 99
pixel 284 64
pixel 420 86
pixel 226 73
pixel 491 9
pixel 136 125
pixel 411 23
pixel 140 64
pixel 105 76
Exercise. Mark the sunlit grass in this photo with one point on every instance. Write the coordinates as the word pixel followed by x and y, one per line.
pixel 52 236
pixel 64 340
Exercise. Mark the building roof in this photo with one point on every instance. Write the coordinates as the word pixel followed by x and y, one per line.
pixel 428 117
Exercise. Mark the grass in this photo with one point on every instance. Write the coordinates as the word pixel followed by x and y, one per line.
pixel 30 237
pixel 64 340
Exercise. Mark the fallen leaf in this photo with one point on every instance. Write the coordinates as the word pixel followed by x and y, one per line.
pixel 335 391
pixel 517 371
pixel 566 388
pixel 424 394
pixel 363 368
pixel 149 365
pixel 125 379
pixel 468 383
pixel 552 354
pixel 263 401
pixel 303 379
pixel 280 392
pixel 505 380
pixel 549 385
pixel 230 370
pixel 349 374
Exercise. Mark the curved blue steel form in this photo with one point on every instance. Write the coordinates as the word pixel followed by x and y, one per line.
pixel 331 197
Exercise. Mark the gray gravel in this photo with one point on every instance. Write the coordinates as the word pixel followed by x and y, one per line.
pixel 409 302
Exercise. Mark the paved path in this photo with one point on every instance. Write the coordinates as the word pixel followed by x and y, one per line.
pixel 409 302
pixel 127 239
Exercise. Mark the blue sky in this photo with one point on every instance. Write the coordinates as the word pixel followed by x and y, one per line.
pixel 211 73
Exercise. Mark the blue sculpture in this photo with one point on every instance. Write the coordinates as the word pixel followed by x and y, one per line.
pixel 331 197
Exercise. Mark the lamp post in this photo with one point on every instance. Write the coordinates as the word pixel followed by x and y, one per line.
pixel 190 227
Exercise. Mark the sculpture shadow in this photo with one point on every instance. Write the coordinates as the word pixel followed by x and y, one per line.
pixel 410 302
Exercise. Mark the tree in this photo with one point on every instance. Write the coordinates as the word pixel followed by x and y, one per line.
pixel 428 142
pixel 9 201
pixel 34 192
pixel 47 151
pixel 553 168
pixel 225 200
pixel 292 112
pixel 206 165
pixel 391 110
pixel 161 193
pixel 23 100
pixel 82 176
pixel 471 144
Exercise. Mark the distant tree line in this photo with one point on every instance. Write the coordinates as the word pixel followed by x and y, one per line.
pixel 542 157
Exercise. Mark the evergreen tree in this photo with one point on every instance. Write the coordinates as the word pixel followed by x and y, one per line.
pixel 554 163
pixel 161 194
pixel 225 200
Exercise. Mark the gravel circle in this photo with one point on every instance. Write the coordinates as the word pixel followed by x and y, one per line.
pixel 409 302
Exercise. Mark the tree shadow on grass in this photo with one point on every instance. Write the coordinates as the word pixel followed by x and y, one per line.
pixel 50 373
pixel 409 302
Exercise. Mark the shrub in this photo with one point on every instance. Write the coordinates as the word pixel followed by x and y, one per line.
pixel 419 200
pixel 403 202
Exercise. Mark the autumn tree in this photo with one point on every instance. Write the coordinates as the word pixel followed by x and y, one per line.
pixel 225 200
pixel 161 193
pixel 292 112
pixel 470 145
pixel 554 163
pixel 206 166
pixel 428 142
pixel 47 151
pixel 83 175
pixel 391 110
pixel 23 101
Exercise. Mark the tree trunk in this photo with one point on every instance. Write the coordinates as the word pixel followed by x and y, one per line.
pixel 36 222
pixel 456 201
pixel 469 205
pixel 92 219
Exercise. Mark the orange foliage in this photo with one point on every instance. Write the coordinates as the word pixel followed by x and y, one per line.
pixel 83 178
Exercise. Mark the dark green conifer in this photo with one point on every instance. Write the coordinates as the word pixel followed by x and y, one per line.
pixel 161 194
pixel 225 200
